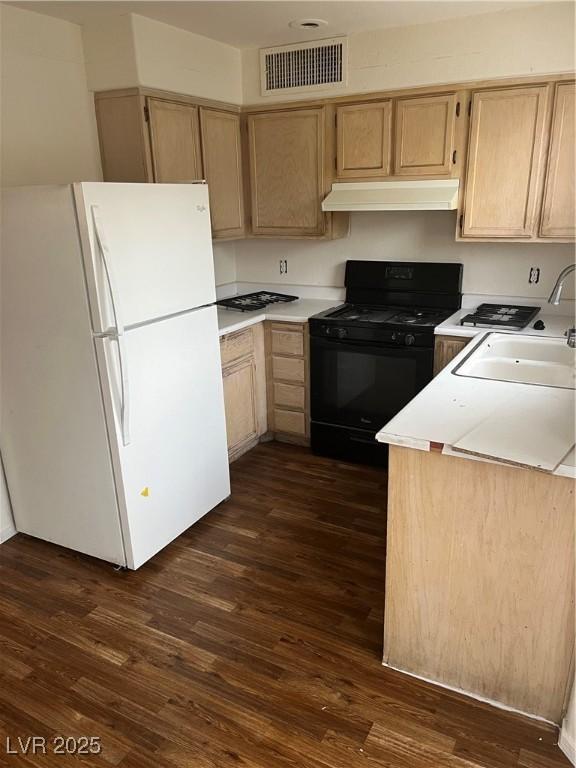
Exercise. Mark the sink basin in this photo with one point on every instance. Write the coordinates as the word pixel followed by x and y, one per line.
pixel 545 362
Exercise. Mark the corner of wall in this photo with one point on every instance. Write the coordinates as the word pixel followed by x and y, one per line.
pixel 110 52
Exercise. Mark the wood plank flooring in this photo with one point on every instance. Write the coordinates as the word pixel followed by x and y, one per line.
pixel 253 641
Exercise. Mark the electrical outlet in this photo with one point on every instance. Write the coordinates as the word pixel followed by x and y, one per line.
pixel 283 266
pixel 534 275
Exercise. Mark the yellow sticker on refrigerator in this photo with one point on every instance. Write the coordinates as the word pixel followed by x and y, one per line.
pixel 145 491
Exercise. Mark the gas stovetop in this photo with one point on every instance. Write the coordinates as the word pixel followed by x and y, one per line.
pixel 512 316
pixel 249 302
pixel 421 317
pixel 393 326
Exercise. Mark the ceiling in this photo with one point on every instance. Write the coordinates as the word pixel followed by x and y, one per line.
pixel 265 22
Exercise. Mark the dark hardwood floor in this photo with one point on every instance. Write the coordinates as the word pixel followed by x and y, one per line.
pixel 253 641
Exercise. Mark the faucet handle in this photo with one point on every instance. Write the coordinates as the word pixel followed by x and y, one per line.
pixel 571 337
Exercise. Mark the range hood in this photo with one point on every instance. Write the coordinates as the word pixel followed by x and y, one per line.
pixel 433 195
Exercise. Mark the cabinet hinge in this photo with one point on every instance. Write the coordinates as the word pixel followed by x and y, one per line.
pixel 147 114
pixel 454 157
pixel 457 109
pixel 469 108
pixel 461 222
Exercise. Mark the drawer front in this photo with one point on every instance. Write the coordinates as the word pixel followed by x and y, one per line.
pixel 236 345
pixel 287 342
pixel 289 396
pixel 291 422
pixel 288 369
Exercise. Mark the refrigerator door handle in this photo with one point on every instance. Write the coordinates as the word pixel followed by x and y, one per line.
pixel 118 333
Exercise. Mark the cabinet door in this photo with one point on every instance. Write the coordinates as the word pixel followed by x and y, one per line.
pixel 287 172
pixel 559 207
pixel 363 140
pixel 123 137
pixel 424 135
pixel 175 140
pixel 240 403
pixel 504 162
pixel 221 153
pixel 445 349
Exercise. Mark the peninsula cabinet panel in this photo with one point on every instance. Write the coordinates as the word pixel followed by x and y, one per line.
pixel 287 172
pixel 559 208
pixel 425 135
pixel 505 160
pixel 175 139
pixel 364 140
pixel 221 152
pixel 480 578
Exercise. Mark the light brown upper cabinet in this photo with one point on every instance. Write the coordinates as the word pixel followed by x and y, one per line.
pixel 363 140
pixel 146 136
pixel 425 129
pixel 123 137
pixel 221 151
pixel 287 172
pixel 175 140
pixel 504 164
pixel 559 205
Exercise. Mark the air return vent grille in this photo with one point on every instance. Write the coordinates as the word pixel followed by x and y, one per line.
pixel 304 66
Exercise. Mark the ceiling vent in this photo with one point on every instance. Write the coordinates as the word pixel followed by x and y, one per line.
pixel 304 66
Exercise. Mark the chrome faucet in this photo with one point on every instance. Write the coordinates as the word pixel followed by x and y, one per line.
pixel 554 298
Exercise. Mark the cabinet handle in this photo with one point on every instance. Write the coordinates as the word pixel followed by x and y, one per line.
pixel 454 157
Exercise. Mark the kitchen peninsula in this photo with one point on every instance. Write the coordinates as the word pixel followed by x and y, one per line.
pixel 480 550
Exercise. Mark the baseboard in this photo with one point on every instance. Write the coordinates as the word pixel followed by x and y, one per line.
pixel 567 745
pixel 6 533
pixel 476 697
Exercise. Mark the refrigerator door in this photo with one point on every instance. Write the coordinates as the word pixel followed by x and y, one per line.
pixel 170 455
pixel 55 443
pixel 147 250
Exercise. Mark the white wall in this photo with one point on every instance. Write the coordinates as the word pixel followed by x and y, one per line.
pixel 125 51
pixel 110 53
pixel 48 125
pixel 523 41
pixel 489 268
pixel 177 60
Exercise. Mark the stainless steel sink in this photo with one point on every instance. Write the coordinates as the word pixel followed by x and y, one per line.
pixel 543 361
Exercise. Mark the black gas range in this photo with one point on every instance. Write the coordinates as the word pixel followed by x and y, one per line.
pixel 370 356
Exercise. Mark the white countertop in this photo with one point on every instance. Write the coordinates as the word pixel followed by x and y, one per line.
pixel 555 325
pixel 230 320
pixel 450 406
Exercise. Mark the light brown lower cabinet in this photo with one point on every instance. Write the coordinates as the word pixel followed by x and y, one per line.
pixel 244 378
pixel 480 578
pixel 445 349
pixel 288 384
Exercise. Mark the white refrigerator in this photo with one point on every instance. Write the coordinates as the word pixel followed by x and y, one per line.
pixel 112 423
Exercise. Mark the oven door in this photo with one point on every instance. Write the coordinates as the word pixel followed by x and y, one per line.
pixel 363 385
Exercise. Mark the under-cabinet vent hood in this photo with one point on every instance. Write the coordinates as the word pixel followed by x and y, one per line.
pixel 433 195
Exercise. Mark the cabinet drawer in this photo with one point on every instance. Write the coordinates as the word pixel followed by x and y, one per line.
pixel 292 422
pixel 287 342
pixel 288 369
pixel 289 396
pixel 236 345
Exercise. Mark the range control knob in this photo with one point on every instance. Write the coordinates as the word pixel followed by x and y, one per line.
pixel 409 339
pixel 341 333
